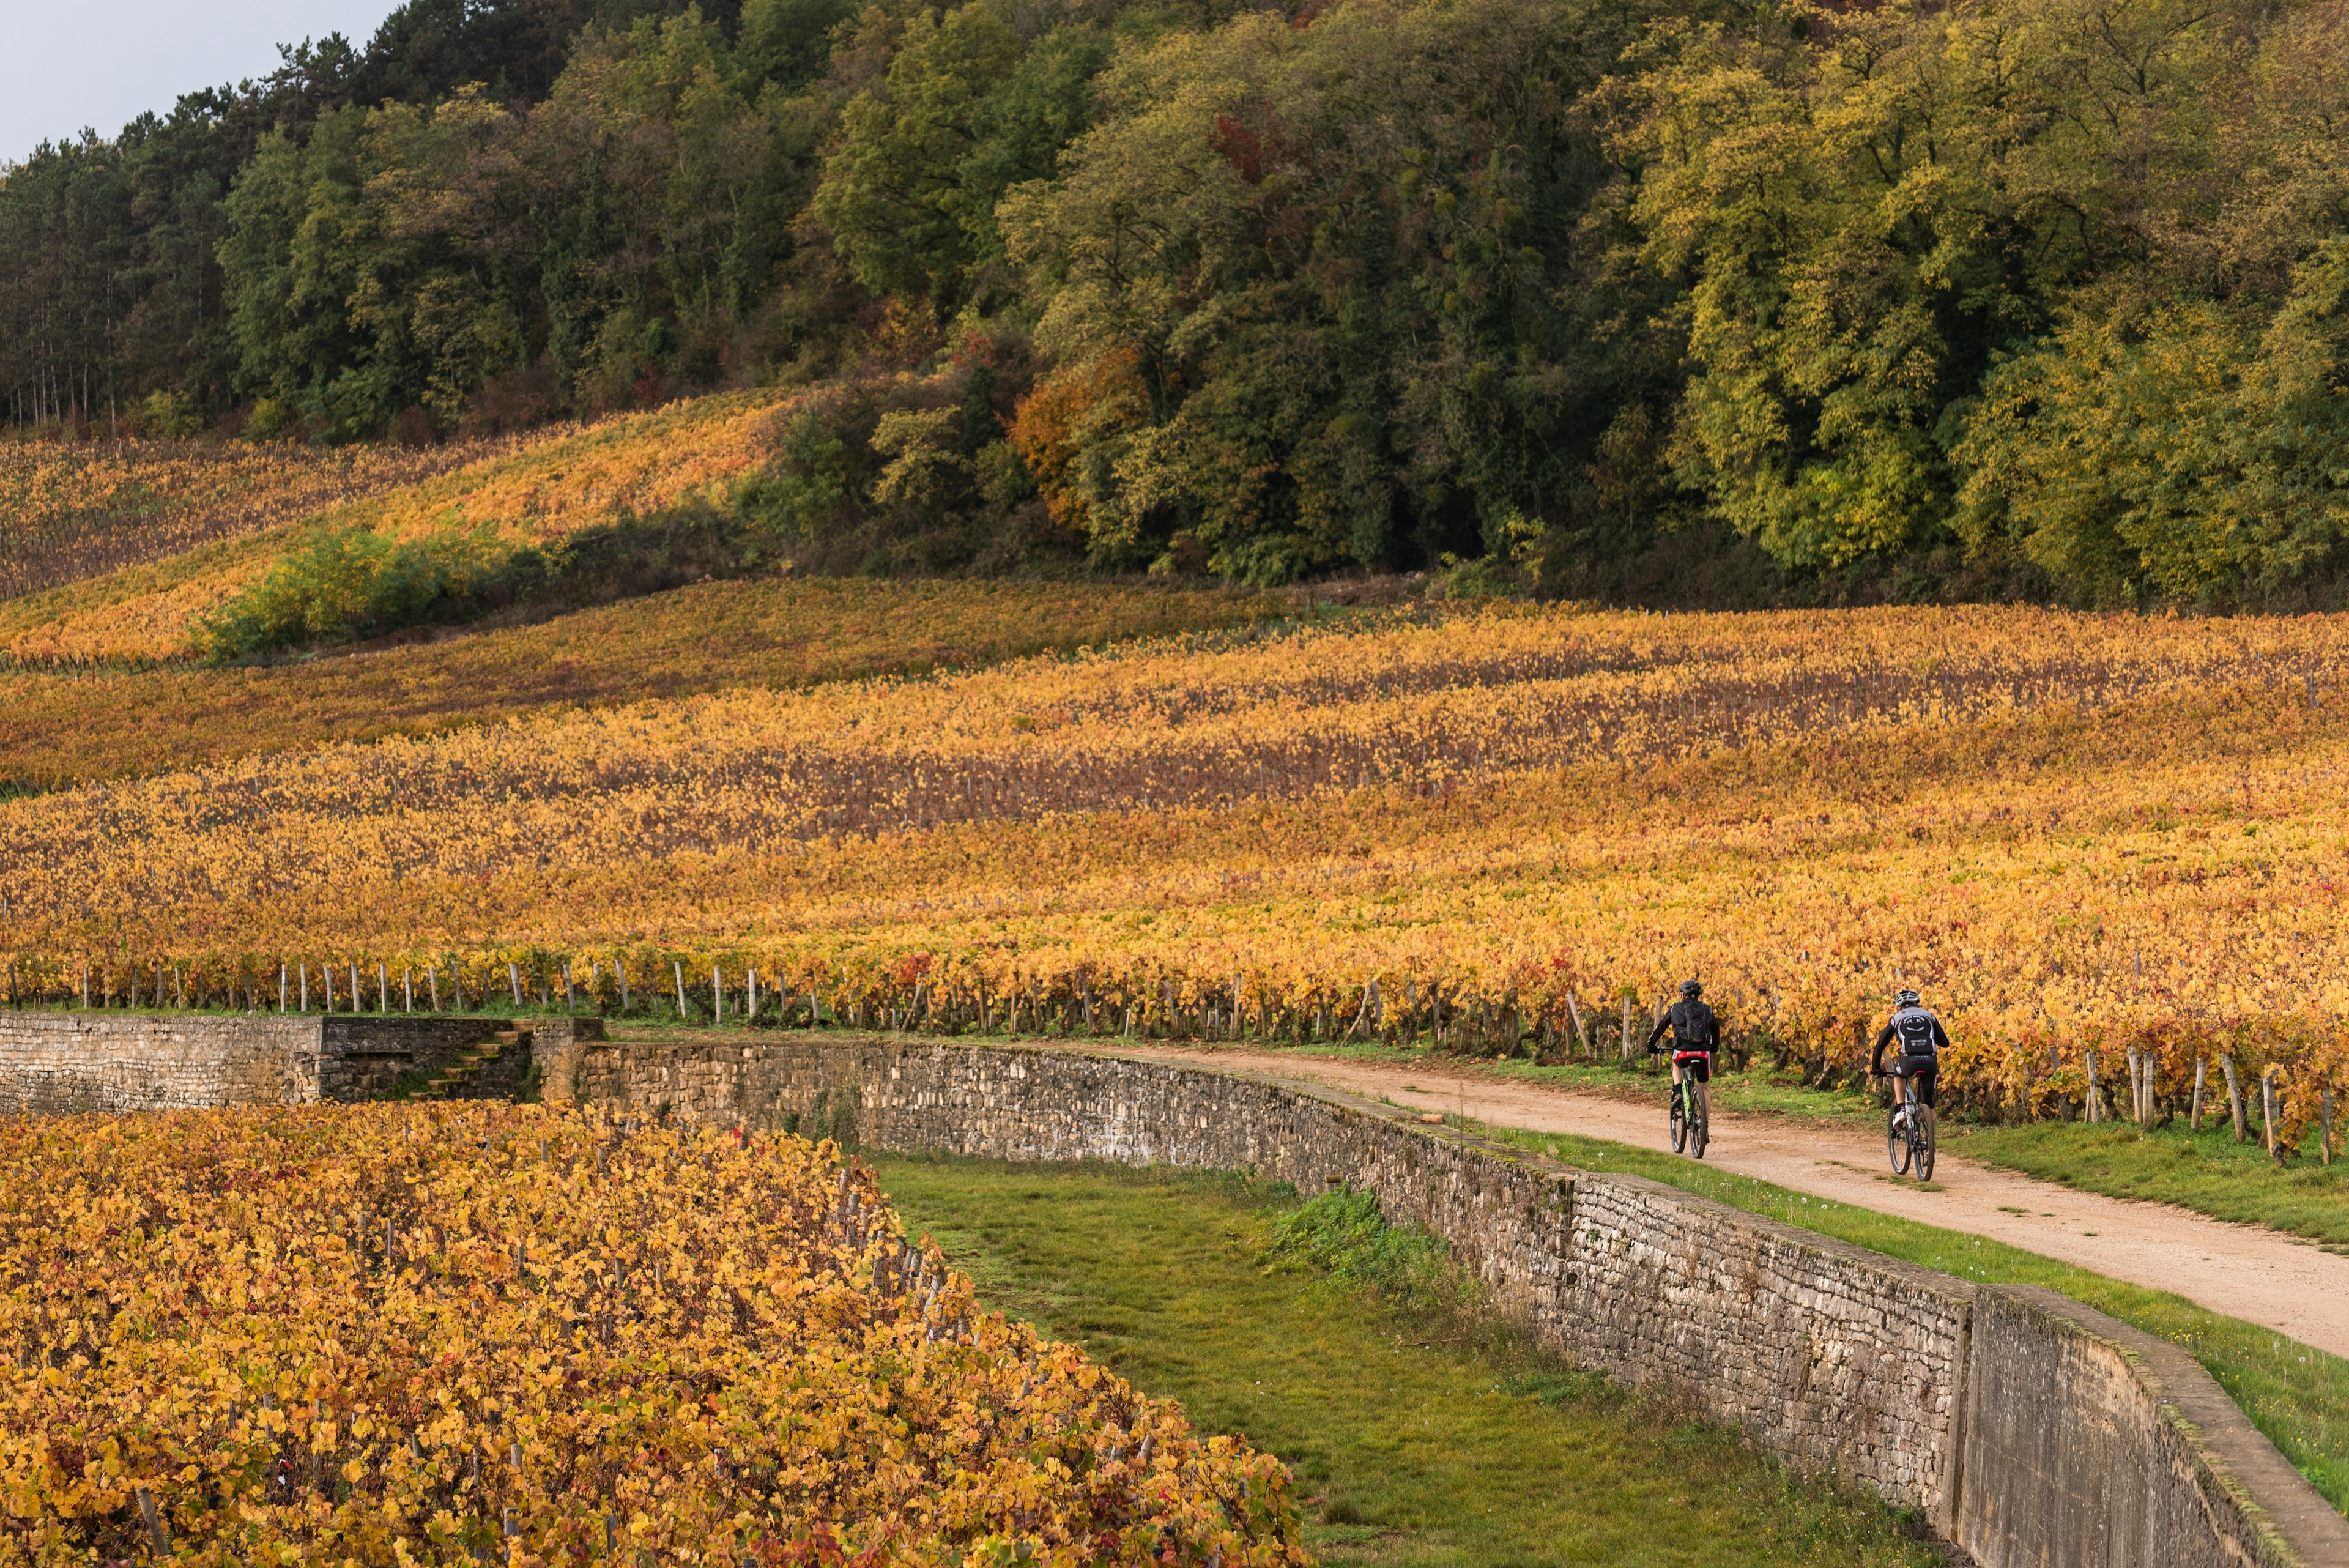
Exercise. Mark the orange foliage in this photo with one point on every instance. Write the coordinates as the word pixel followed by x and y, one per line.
pixel 390 1336
pixel 1045 426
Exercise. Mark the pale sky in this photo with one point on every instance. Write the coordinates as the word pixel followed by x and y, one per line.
pixel 66 63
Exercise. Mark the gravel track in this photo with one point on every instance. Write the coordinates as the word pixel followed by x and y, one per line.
pixel 2247 1271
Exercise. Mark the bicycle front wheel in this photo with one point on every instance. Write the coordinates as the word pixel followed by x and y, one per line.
pixel 1924 1137
pixel 1896 1142
pixel 1701 1130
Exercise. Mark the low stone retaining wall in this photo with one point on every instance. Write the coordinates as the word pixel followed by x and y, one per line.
pixel 58 1062
pixel 2019 1425
pixel 105 1061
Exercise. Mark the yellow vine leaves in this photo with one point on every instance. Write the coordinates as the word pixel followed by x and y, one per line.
pixel 403 1336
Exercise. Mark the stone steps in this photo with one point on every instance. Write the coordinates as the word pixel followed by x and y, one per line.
pixel 452 1077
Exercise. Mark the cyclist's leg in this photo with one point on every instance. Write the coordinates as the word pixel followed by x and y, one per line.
pixel 1927 1078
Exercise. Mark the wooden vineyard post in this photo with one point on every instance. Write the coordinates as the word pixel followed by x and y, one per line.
pixel 2234 1095
pixel 2202 1071
pixel 306 988
pixel 717 994
pixel 1575 1014
pixel 514 979
pixel 407 987
pixel 676 967
pixel 2089 1057
pixel 2325 1143
pixel 750 984
pixel 621 970
pixel 1627 1026
pixel 2268 1102
pixel 2136 1086
pixel 570 1003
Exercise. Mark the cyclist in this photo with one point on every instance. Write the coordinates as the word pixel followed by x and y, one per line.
pixel 1922 1039
pixel 1696 1035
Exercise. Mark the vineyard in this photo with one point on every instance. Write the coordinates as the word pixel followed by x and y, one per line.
pixel 59 729
pixel 528 491
pixel 79 509
pixel 392 1336
pixel 2103 846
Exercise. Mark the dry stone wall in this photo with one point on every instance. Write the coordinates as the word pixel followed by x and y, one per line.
pixel 2018 1425
pixel 108 1061
pixel 63 1061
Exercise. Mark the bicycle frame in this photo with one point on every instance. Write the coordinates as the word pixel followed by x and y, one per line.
pixel 1909 1130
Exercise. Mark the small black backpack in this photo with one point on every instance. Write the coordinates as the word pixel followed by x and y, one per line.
pixel 1914 1026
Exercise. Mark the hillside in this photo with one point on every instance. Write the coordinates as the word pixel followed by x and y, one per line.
pixel 488 502
pixel 62 728
pixel 2008 297
pixel 2076 831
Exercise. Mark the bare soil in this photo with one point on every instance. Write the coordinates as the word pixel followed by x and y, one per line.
pixel 2247 1271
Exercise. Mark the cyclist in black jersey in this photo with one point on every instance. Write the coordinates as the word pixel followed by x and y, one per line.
pixel 1921 1040
pixel 1696 1035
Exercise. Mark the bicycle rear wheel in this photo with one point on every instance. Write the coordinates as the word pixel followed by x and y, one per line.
pixel 1679 1122
pixel 1924 1138
pixel 1701 1130
pixel 1896 1142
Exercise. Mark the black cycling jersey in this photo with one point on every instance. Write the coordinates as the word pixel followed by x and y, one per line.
pixel 1920 1033
pixel 1693 1027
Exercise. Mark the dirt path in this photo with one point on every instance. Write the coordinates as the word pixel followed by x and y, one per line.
pixel 2245 1270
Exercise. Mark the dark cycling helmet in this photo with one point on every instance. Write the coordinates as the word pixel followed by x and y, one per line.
pixel 1908 999
pixel 1691 990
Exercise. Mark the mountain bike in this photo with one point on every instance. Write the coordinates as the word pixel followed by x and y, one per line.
pixel 1692 1117
pixel 1908 1132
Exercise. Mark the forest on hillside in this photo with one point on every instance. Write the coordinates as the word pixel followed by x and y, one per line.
pixel 2036 297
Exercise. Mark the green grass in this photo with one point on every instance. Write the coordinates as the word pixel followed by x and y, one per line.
pixel 1408 1450
pixel 2297 1395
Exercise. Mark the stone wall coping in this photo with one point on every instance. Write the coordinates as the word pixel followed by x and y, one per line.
pixel 2288 1517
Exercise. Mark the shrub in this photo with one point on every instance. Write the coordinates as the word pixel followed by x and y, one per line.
pixel 346 584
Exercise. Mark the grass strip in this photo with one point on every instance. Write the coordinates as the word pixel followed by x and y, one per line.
pixel 2296 1394
pixel 1416 1443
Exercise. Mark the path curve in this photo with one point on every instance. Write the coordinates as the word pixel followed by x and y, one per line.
pixel 2249 1272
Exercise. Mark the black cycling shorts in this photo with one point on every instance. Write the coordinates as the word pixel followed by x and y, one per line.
pixel 1924 1069
pixel 1700 1063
